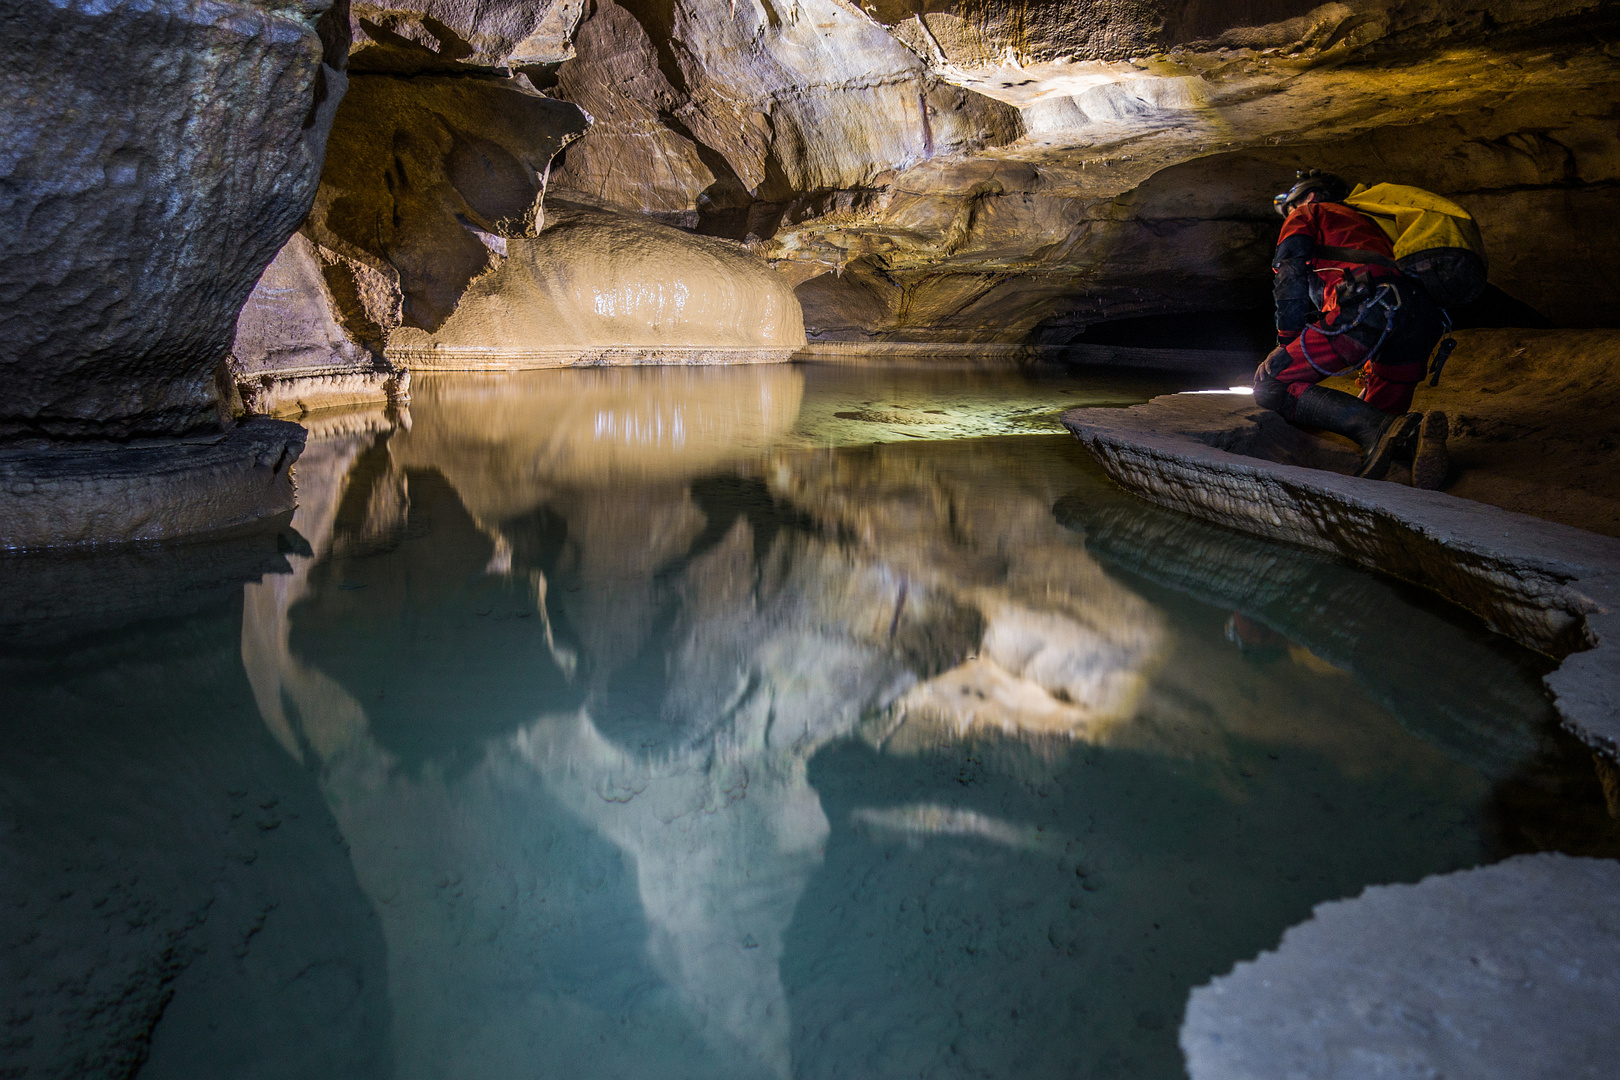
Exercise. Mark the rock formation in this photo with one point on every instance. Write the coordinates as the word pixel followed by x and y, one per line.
pixel 599 288
pixel 156 156
pixel 997 173
pixel 1502 971
pixel 291 355
pixel 1097 161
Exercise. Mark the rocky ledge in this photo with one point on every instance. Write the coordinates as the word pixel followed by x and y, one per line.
pixel 1510 970
pixel 1505 970
pixel 1500 971
pixel 1548 586
pixel 86 494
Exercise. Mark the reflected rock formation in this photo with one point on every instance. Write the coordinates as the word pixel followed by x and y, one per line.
pixel 1439 674
pixel 561 660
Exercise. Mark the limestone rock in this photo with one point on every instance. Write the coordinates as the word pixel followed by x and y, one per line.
pixel 412 35
pixel 1154 136
pixel 604 288
pixel 291 356
pixel 711 109
pixel 1505 971
pixel 155 155
pixel 88 494
pixel 426 179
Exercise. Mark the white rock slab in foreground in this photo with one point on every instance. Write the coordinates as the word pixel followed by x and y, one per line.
pixel 1509 971
pixel 1551 587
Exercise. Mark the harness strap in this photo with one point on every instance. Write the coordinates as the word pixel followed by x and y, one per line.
pixel 1355 255
pixel 1388 298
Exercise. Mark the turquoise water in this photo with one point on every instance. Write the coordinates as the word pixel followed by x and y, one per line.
pixel 788 722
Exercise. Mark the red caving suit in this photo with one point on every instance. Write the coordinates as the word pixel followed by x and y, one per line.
pixel 1403 330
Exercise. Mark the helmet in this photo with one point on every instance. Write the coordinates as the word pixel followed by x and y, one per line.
pixel 1325 185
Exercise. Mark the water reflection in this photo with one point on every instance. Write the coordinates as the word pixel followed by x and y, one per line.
pixel 643 736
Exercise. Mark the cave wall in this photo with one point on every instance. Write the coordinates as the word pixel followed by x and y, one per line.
pixel 987 172
pixel 1540 176
pixel 155 156
pixel 1142 186
pixel 733 115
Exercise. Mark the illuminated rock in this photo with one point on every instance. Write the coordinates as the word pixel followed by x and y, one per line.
pixel 291 356
pixel 601 289
pixel 445 34
pixel 1500 971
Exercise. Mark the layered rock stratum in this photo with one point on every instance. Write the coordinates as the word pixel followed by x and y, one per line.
pixel 1014 172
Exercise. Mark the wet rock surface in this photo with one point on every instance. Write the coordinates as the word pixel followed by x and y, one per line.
pixel 1505 971
pixel 156 156
pixel 91 493
pixel 1222 458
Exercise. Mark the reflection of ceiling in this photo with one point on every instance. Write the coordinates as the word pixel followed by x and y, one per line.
pixel 653 838
pixel 771 640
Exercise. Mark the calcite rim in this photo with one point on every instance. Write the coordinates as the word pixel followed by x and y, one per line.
pixel 1553 588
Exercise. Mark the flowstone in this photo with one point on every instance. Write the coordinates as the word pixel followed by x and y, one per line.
pixel 1506 971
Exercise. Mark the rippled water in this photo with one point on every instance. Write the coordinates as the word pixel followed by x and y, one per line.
pixel 761 723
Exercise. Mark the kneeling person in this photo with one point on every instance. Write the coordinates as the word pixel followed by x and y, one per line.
pixel 1342 303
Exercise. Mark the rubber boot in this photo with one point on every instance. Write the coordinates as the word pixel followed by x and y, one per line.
pixel 1431 463
pixel 1380 435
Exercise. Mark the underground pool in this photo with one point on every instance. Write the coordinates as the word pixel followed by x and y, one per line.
pixel 790 721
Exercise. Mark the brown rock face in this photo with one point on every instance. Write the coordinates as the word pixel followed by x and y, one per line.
pixel 155 156
pixel 736 116
pixel 429 34
pixel 1143 182
pixel 425 177
pixel 1011 172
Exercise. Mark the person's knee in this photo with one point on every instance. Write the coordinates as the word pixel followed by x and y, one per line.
pixel 1269 391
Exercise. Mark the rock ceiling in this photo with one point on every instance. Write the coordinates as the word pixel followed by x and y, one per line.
pixel 1014 171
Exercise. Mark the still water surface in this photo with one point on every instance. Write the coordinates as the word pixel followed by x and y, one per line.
pixel 783 722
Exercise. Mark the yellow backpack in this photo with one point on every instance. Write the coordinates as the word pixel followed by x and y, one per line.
pixel 1436 241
